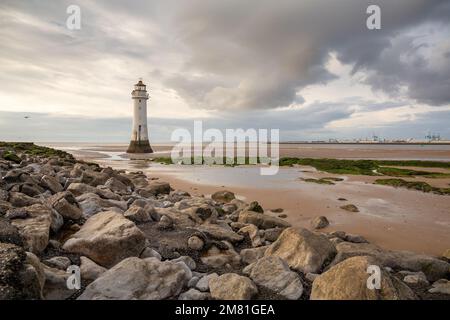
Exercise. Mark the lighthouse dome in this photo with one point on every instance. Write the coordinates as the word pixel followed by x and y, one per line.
pixel 139 86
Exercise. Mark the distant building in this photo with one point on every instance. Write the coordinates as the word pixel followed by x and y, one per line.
pixel 139 135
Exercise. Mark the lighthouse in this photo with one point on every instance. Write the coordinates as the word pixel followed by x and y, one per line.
pixel 139 135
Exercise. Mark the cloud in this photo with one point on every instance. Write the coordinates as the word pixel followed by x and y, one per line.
pixel 266 51
pixel 288 64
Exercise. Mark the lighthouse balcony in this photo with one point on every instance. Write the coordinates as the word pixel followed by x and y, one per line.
pixel 139 94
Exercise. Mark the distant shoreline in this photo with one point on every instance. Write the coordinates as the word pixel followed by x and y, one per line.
pixel 373 143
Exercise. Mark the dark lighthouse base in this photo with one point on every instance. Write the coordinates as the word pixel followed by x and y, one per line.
pixel 139 147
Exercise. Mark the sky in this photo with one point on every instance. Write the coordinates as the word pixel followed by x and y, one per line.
pixel 309 68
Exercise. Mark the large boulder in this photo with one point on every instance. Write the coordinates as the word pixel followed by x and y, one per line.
pixel 252 254
pixel 262 221
pixel 89 270
pixel 253 233
pixel 219 257
pixel 303 250
pixel 18 199
pixel 91 203
pixel 94 178
pixel 4 207
pixel 231 286
pixel 137 214
pixel 274 274
pixel 348 281
pixel 116 185
pixel 107 238
pixel 433 268
pixel 51 183
pixel 35 230
pixel 220 232
pixel 66 205
pixel 441 286
pixel 19 279
pixel 78 189
pixel 9 233
pixel 139 279
pixel 154 188
pixel 55 287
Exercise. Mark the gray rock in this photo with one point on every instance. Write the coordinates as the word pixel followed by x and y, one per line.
pixel 274 274
pixel 311 276
pixel 320 222
pixel 254 206
pixel 193 282
pixel 9 233
pixel 195 243
pixel 18 199
pixel 355 238
pixel 66 205
pixel 116 185
pixel 433 268
pixel 219 258
pixel 262 221
pixel 193 294
pixel 19 279
pixel 253 233
pixel 441 286
pixel 137 214
pixel 303 250
pixel 17 213
pixel 91 204
pixel 61 263
pixel 165 223
pixel 203 283
pixel 187 260
pixel 89 270
pixel 134 278
pixel 253 254
pixel 223 196
pixel 55 287
pixel 107 238
pixel 416 278
pixel 272 234
pixel 150 253
pixel 51 183
pixel 220 232
pixel 348 281
pixel 231 286
pixel 35 230
pixel 154 188
pixel 4 207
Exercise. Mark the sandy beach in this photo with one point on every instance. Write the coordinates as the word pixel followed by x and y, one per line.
pixel 393 218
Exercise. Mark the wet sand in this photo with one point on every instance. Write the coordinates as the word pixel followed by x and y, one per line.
pixel 393 218
pixel 335 151
pixel 396 219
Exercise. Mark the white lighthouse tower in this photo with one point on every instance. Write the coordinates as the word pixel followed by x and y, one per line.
pixel 139 135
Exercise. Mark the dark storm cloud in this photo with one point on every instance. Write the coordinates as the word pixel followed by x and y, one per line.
pixel 268 50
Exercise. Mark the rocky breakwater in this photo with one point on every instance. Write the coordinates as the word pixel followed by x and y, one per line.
pixel 134 237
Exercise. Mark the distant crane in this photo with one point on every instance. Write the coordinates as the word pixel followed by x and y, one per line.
pixel 433 137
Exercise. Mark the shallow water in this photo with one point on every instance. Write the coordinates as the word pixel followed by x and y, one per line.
pixel 393 218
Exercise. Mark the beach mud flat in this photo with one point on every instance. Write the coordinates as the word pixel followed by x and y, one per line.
pixel 306 150
pixel 395 218
pixel 134 236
